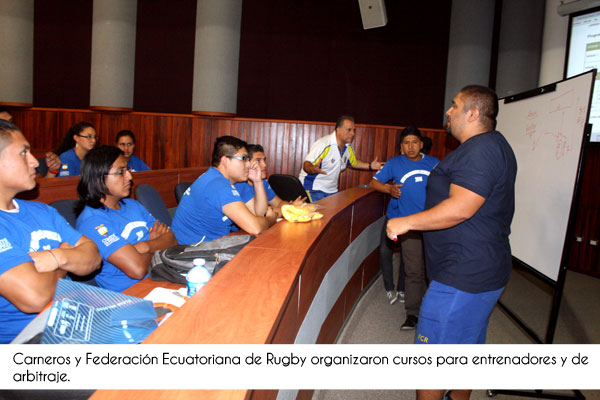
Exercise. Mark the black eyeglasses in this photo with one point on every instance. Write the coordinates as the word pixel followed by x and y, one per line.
pixel 244 158
pixel 89 137
pixel 121 171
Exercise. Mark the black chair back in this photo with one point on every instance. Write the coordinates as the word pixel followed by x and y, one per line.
pixel 287 187
pixel 151 200
pixel 66 208
pixel 180 189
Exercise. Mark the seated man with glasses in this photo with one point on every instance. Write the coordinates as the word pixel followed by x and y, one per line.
pixel 248 189
pixel 126 234
pixel 79 139
pixel 212 206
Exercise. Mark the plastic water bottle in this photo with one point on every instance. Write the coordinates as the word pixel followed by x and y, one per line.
pixel 197 277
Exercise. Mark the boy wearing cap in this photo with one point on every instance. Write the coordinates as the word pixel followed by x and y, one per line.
pixel 407 176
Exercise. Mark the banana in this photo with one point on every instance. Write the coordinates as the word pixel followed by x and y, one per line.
pixel 303 213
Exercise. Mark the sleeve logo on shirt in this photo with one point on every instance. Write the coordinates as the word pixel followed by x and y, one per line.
pixel 5 245
pixel 64 170
pixel 101 229
pixel 235 192
pixel 110 240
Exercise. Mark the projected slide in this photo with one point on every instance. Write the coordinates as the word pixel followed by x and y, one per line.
pixel 584 55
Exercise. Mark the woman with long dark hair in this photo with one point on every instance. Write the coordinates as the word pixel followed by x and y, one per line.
pixel 127 235
pixel 79 139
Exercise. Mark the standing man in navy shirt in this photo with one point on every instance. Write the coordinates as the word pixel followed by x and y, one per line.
pixel 468 211
pixel 407 174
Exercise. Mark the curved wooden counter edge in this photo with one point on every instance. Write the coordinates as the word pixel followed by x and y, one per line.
pixel 258 298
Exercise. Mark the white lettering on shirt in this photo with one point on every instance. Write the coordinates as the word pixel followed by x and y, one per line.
pixel 5 245
pixel 36 236
pixel 131 226
pixel 110 240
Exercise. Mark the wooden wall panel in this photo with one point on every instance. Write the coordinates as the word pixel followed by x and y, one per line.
pixel 183 141
pixel 264 394
pixel 288 325
pixel 366 211
pixel 334 321
pixel 371 268
pixel 353 289
pixel 179 141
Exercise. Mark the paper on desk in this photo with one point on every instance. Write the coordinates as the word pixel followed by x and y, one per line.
pixel 168 296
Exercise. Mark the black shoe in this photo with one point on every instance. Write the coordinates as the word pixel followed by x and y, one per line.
pixel 410 323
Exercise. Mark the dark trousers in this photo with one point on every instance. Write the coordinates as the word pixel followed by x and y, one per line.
pixel 386 262
pixel 414 268
pixel 411 278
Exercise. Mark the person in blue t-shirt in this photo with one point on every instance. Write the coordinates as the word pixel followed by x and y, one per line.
pixel 468 211
pixel 79 139
pixel 37 245
pixel 126 234
pixel 407 176
pixel 212 206
pixel 126 142
pixel 256 204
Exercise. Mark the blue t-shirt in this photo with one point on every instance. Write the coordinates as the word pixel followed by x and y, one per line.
pixel 31 227
pixel 112 229
pixel 246 190
pixel 199 216
pixel 474 256
pixel 69 163
pixel 137 165
pixel 413 177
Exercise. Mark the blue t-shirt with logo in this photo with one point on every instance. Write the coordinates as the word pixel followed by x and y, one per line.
pixel 137 165
pixel 32 226
pixel 112 229
pixel 69 163
pixel 413 177
pixel 199 216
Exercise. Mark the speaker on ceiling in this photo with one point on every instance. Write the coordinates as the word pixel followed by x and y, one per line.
pixel 372 13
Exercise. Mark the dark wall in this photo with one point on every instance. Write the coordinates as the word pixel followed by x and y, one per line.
pixel 299 60
pixel 164 57
pixel 312 60
pixel 62 53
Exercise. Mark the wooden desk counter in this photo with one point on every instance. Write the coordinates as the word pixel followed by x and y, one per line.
pixel 264 295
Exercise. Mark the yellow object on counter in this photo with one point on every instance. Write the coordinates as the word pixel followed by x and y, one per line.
pixel 304 213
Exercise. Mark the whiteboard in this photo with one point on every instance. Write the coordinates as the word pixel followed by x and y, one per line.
pixel 546 131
